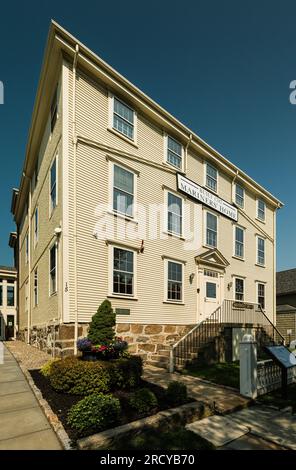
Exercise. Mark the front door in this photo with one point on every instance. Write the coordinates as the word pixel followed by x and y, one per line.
pixel 210 292
pixel 10 327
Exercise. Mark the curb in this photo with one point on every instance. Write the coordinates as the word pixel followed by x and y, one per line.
pixel 50 415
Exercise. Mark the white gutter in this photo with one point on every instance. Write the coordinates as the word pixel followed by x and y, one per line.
pixel 75 198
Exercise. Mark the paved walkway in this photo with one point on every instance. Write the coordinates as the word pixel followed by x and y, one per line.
pixel 258 427
pixel 23 425
pixel 225 400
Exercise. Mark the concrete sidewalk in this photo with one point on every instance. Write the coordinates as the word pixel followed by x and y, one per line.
pixel 23 425
pixel 225 400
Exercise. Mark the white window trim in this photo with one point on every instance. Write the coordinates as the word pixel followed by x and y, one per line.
pixel 257 257
pixel 110 127
pixel 205 177
pixel 242 258
pixel 37 290
pixel 51 294
pixel 257 292
pixel 111 192
pixel 165 153
pixel 166 209
pixel 234 195
pixel 36 229
pixel 111 247
pixel 263 221
pixel 205 229
pixel 234 288
pixel 52 209
pixel 166 300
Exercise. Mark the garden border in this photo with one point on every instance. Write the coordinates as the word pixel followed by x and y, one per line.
pixel 180 415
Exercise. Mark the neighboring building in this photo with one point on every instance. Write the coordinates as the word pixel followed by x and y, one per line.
pixel 286 303
pixel 8 311
pixel 103 163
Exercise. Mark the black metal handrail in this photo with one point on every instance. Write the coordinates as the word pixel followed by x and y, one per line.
pixel 228 313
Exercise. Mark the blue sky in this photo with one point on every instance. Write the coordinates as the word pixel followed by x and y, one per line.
pixel 222 68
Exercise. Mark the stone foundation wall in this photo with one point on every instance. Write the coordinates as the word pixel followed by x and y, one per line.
pixel 147 340
pixel 144 340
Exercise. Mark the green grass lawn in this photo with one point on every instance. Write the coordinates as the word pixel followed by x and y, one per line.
pixel 223 374
pixel 275 398
pixel 150 439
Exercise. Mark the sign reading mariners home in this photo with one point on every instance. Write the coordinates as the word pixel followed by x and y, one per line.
pixel 206 197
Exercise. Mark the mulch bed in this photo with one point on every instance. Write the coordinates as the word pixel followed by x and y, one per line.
pixel 61 403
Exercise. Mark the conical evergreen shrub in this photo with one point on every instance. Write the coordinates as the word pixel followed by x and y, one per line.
pixel 101 328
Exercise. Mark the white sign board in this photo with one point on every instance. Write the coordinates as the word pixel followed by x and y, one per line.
pixel 206 197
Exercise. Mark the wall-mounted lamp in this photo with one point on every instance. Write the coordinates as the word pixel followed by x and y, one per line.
pixel 191 277
pixel 229 285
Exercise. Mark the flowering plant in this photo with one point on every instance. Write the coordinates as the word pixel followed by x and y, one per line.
pixel 111 350
pixel 84 344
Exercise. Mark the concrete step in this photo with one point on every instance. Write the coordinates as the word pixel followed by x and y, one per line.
pixel 155 363
pixel 159 357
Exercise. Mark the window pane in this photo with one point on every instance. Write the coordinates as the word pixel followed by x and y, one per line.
pixel 239 242
pixel 174 214
pixel 211 289
pixel 123 119
pixel 124 111
pixel 123 179
pixel 10 296
pixel 123 267
pixel 239 289
pixel 239 195
pixel 174 281
pixel 261 209
pixel 53 186
pixel 174 155
pixel 211 230
pixel 123 193
pixel 211 180
pixel 261 251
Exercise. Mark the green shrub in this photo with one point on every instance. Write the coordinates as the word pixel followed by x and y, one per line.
pixel 46 368
pixel 101 328
pixel 95 412
pixel 73 375
pixel 176 393
pixel 127 372
pixel 143 400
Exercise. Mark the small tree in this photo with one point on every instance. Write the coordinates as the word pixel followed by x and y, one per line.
pixel 101 328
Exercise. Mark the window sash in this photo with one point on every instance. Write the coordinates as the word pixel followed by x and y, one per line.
pixel 239 242
pixel 174 152
pixel 211 290
pixel 123 191
pixel 174 281
pixel 123 119
pixel 239 196
pixel 53 270
pixel 175 214
pixel 261 209
pixel 10 296
pixel 211 230
pixel 53 184
pixel 261 251
pixel 123 272
pixel 261 295
pixel 211 177
pixel 239 289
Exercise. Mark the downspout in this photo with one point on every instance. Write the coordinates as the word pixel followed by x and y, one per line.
pixel 29 259
pixel 186 152
pixel 74 199
pixel 274 265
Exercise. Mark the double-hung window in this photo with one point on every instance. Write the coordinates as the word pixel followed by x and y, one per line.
pixel 175 281
pixel 53 269
pixel 261 294
pixel 261 251
pixel 10 294
pixel 123 191
pixel 36 287
pixel 239 289
pixel 36 226
pixel 211 230
pixel 123 272
pixel 239 242
pixel 239 196
pixel 261 207
pixel 174 152
pixel 53 185
pixel 211 177
pixel 174 214
pixel 123 119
